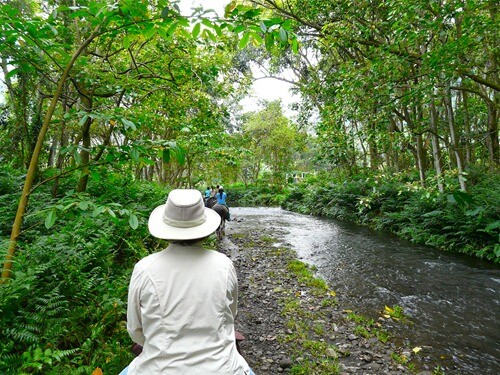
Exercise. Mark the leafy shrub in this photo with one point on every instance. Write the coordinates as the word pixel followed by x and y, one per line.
pixel 64 309
pixel 254 195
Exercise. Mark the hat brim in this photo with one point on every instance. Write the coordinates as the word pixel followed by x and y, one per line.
pixel 159 229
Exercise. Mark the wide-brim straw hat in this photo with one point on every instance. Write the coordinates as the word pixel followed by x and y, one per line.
pixel 183 217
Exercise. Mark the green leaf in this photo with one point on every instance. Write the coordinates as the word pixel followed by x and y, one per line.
pixel 180 155
pixel 128 124
pixel 494 225
pixel 149 31
pixel 135 154
pixel 238 29
pixel 244 41
pixel 82 120
pixel 98 210
pixel 217 29
pixel 12 73
pixel 283 35
pixel 269 39
pixel 207 23
pixel 166 155
pixel 96 176
pixel 127 41
pixel 111 212
pixel 295 46
pixel 77 157
pixel 210 35
pixel 461 198
pixel 83 205
pixel 133 221
pixel 252 13
pixel 172 28
pixel 196 30
pixel 51 218
pixel 164 13
pixel 257 39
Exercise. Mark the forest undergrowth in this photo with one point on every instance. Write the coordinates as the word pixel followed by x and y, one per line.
pixel 63 311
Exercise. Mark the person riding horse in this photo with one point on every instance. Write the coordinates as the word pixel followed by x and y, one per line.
pixel 221 208
pixel 221 199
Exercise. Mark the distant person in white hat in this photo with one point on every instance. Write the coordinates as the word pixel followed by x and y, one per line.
pixel 182 301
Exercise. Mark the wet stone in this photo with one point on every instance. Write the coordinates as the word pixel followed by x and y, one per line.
pixel 269 347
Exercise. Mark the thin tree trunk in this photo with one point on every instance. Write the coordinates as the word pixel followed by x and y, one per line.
pixel 468 130
pixel 436 149
pixel 420 152
pixel 28 182
pixel 455 146
pixel 493 144
pixel 63 142
pixel 85 152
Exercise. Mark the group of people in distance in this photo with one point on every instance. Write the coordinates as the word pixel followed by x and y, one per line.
pixel 182 301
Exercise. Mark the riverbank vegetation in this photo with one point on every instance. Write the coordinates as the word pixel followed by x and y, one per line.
pixel 106 106
pixel 455 220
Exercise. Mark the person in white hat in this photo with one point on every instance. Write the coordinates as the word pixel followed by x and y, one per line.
pixel 182 301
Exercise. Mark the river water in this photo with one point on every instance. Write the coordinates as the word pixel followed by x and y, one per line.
pixel 453 301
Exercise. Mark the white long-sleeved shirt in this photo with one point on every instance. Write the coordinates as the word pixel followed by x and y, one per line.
pixel 182 304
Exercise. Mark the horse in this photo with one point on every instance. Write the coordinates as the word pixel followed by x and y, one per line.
pixel 223 212
pixel 210 201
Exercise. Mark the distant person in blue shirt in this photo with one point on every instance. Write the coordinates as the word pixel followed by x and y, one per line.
pixel 221 196
pixel 208 192
pixel 221 199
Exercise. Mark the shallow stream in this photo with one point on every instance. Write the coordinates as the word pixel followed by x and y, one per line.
pixel 452 300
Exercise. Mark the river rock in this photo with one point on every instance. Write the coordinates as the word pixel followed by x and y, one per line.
pixel 271 345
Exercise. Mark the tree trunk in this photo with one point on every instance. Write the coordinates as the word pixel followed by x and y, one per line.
pixel 468 129
pixel 419 151
pixel 455 146
pixel 28 182
pixel 492 139
pixel 436 149
pixel 85 152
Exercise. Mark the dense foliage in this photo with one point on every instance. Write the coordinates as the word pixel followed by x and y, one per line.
pixel 63 312
pixel 399 85
pixel 108 104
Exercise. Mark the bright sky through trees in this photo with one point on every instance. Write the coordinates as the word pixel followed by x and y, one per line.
pixel 263 88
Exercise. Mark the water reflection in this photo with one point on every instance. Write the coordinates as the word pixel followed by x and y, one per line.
pixel 452 299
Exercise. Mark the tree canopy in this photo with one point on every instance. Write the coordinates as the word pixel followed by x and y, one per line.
pixel 109 104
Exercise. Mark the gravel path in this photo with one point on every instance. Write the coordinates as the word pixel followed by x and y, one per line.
pixel 293 325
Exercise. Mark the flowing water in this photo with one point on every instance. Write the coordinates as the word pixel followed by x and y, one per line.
pixel 452 300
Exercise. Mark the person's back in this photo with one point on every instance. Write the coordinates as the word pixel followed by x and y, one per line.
pixel 195 335
pixel 182 301
pixel 221 197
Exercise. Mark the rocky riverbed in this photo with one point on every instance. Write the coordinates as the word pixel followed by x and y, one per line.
pixel 294 323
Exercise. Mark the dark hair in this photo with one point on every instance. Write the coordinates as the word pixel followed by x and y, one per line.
pixel 190 242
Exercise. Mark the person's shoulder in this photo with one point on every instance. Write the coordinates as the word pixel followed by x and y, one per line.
pixel 146 262
pixel 220 257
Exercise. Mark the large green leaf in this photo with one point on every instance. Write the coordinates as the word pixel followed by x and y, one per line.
pixel 50 219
